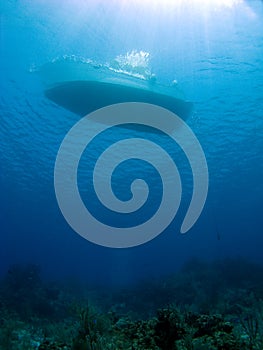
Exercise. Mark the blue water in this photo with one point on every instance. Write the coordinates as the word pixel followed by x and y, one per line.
pixel 216 55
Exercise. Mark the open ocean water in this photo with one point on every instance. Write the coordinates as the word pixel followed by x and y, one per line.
pixel 212 51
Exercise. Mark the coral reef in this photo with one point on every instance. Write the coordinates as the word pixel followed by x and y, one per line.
pixel 214 306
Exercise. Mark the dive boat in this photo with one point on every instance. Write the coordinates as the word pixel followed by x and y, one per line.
pixel 83 87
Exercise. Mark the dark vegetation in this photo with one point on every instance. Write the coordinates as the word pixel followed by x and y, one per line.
pixel 204 306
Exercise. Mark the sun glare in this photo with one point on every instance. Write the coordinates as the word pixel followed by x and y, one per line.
pixel 216 4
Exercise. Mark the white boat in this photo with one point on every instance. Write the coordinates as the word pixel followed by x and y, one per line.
pixel 83 87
